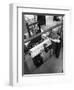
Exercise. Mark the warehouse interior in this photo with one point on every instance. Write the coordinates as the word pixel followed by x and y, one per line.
pixel 42 43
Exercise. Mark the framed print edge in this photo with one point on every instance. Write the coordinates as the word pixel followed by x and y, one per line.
pixel 13 45
pixel 15 60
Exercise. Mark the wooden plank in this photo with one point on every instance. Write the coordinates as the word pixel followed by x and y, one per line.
pixel 43 32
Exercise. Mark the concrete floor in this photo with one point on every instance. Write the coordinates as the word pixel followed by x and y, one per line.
pixel 51 65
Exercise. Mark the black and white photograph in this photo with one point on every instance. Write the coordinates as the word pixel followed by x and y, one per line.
pixel 42 43
pixel 39 45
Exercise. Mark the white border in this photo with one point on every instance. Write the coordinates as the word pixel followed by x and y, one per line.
pixel 16 38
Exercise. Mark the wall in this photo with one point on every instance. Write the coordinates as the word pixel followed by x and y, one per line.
pixel 4 44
